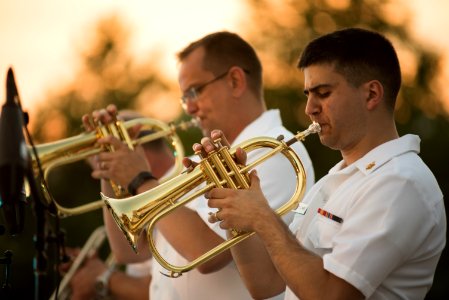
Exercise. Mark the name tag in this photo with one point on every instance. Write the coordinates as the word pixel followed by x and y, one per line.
pixel 301 209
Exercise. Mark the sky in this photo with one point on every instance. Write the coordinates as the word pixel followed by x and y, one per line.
pixel 37 37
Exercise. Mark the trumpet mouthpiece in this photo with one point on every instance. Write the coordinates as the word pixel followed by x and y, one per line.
pixel 314 128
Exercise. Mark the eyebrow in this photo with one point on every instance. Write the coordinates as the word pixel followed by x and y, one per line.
pixel 315 88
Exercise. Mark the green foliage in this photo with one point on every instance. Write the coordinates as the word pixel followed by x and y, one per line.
pixel 281 29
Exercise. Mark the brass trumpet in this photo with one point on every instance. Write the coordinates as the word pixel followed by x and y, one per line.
pixel 82 146
pixel 218 169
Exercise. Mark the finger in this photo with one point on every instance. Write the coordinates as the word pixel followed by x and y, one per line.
pixel 134 131
pixel 217 203
pixel 102 116
pixel 208 145
pixel 112 109
pixel 199 150
pixel 113 141
pixel 96 116
pixel 87 122
pixel 188 163
pixel 211 218
pixel 218 134
pixel 102 165
pixel 254 179
pixel 100 174
pixel 216 193
pixel 214 217
pixel 241 156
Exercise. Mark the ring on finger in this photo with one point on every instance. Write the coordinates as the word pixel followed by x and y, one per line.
pixel 216 216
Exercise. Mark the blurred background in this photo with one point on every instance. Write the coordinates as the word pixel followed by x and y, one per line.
pixel 70 57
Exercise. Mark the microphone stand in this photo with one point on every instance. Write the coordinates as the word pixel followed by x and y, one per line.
pixel 40 237
pixel 18 120
pixel 6 286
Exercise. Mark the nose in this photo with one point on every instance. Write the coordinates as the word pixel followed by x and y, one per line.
pixel 312 106
pixel 190 107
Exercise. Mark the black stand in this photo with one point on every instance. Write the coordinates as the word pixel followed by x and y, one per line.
pixel 16 164
pixel 40 239
pixel 6 286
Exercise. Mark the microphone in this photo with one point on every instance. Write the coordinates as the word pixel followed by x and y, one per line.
pixel 14 159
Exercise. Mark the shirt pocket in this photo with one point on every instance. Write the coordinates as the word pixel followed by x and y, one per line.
pixel 322 231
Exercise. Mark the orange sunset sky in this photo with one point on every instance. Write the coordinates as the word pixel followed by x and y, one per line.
pixel 39 38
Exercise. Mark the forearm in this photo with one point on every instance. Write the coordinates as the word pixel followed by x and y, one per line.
pixel 301 270
pixel 256 268
pixel 120 246
pixel 191 237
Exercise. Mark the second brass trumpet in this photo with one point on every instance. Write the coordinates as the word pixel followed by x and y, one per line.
pixel 82 146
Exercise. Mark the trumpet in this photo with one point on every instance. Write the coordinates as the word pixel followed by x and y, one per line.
pixel 93 243
pixel 218 169
pixel 48 156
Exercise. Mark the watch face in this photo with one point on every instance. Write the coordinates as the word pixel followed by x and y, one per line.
pixel 101 288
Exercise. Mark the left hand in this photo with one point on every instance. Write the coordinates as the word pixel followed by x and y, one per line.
pixel 121 165
pixel 83 282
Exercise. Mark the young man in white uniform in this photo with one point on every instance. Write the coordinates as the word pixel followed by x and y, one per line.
pixel 220 77
pixel 375 226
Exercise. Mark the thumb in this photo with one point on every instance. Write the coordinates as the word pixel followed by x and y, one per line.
pixel 134 131
pixel 254 179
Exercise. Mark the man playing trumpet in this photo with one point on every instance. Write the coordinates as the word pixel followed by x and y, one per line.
pixel 220 78
pixel 375 226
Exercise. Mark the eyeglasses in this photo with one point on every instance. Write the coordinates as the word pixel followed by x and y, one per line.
pixel 193 93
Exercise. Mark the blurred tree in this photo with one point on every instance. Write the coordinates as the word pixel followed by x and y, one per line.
pixel 108 73
pixel 281 29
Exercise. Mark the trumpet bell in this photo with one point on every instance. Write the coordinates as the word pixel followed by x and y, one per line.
pixel 217 170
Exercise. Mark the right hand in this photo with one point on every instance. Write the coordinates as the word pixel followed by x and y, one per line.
pixel 121 165
pixel 208 146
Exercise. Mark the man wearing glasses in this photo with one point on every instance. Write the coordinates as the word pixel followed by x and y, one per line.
pixel 220 78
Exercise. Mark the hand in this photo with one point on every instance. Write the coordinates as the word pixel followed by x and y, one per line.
pixel 104 116
pixel 83 282
pixel 72 254
pixel 239 209
pixel 208 146
pixel 121 165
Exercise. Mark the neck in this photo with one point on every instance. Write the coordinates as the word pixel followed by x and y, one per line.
pixel 243 119
pixel 374 137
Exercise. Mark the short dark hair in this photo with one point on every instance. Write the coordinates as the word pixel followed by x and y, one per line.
pixel 359 55
pixel 224 50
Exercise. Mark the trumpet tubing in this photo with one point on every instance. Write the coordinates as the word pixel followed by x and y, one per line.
pixel 47 157
pixel 218 169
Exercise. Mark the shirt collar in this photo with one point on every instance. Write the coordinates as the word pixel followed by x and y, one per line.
pixel 381 154
pixel 266 121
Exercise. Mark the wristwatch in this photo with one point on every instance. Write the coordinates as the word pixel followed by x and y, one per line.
pixel 138 181
pixel 102 283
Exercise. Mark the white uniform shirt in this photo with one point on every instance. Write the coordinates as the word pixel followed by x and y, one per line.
pixel 277 181
pixel 139 269
pixel 392 228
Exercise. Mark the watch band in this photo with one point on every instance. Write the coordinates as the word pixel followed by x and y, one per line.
pixel 138 181
pixel 102 282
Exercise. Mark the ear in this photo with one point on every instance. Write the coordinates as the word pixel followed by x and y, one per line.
pixel 375 94
pixel 237 81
